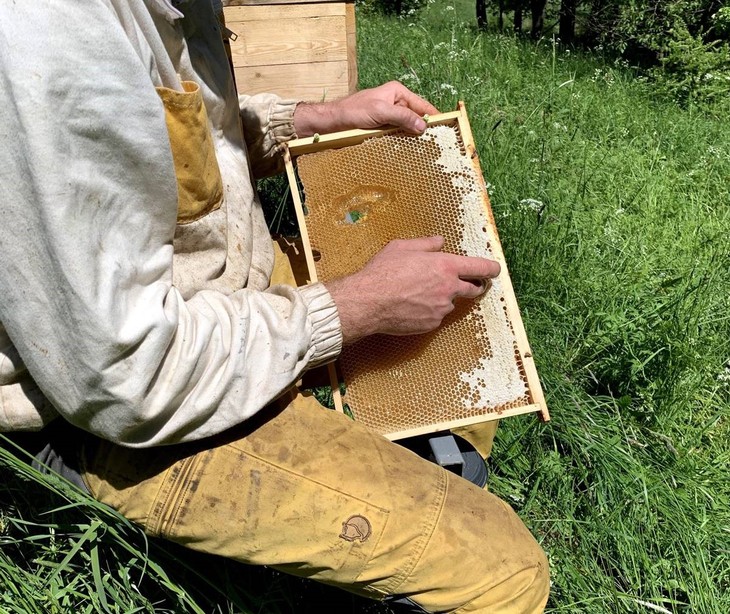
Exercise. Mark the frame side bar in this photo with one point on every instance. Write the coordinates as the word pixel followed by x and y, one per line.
pixel 307 246
pixel 528 362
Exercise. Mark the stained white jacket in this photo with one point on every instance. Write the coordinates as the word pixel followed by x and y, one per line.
pixel 135 328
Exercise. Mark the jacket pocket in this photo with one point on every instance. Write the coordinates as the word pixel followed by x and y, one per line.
pixel 199 184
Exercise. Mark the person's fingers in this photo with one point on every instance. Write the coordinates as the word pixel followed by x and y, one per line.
pixel 476 268
pixel 421 244
pixel 400 117
pixel 414 101
pixel 472 288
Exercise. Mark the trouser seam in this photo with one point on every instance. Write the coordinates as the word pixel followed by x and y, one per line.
pixel 425 537
pixel 166 502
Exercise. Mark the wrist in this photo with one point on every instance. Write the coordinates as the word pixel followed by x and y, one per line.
pixel 358 315
pixel 314 117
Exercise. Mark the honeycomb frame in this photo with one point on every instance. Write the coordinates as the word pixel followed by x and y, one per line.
pixel 354 225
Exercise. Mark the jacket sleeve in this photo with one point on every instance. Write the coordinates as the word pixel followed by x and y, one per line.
pixel 268 121
pixel 89 212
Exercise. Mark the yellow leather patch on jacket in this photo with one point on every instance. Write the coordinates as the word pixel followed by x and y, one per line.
pixel 199 184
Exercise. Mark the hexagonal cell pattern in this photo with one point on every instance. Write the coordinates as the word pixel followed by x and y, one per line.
pixel 358 198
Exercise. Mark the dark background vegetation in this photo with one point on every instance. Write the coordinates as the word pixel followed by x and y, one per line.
pixel 680 42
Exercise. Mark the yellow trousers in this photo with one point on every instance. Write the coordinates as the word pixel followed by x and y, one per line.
pixel 310 492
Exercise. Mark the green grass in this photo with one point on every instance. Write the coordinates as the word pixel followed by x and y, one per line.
pixel 614 211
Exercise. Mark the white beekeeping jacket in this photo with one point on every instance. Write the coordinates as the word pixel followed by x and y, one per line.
pixel 129 324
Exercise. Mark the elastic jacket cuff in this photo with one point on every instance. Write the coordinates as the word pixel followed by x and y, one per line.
pixel 281 121
pixel 325 321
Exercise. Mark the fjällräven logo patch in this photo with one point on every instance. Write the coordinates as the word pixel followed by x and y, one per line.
pixel 356 528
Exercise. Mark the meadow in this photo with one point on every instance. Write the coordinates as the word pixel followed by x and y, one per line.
pixel 613 207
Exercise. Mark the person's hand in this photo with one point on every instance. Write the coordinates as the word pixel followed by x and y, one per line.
pixel 407 288
pixel 391 104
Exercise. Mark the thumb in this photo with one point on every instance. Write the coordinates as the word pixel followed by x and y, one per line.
pixel 402 117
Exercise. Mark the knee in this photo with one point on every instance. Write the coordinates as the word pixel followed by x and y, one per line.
pixel 531 591
pixel 524 590
pixel 479 557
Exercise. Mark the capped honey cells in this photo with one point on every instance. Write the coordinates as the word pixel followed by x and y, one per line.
pixel 395 186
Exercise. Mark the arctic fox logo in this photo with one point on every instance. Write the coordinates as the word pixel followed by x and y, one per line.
pixel 356 528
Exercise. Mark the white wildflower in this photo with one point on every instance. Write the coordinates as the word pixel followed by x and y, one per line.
pixel 409 76
pixel 532 203
pixel 457 54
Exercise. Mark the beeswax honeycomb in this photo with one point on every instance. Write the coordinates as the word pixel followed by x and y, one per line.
pixel 360 197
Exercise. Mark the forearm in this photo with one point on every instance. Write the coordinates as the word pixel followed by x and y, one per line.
pixel 198 367
pixel 317 117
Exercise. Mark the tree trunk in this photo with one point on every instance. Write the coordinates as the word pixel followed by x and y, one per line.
pixel 482 14
pixel 601 20
pixel 501 15
pixel 567 21
pixel 518 16
pixel 537 8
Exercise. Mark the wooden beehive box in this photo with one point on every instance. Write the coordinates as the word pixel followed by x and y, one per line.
pixel 302 49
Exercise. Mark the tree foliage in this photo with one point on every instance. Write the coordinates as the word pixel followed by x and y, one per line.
pixel 685 44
